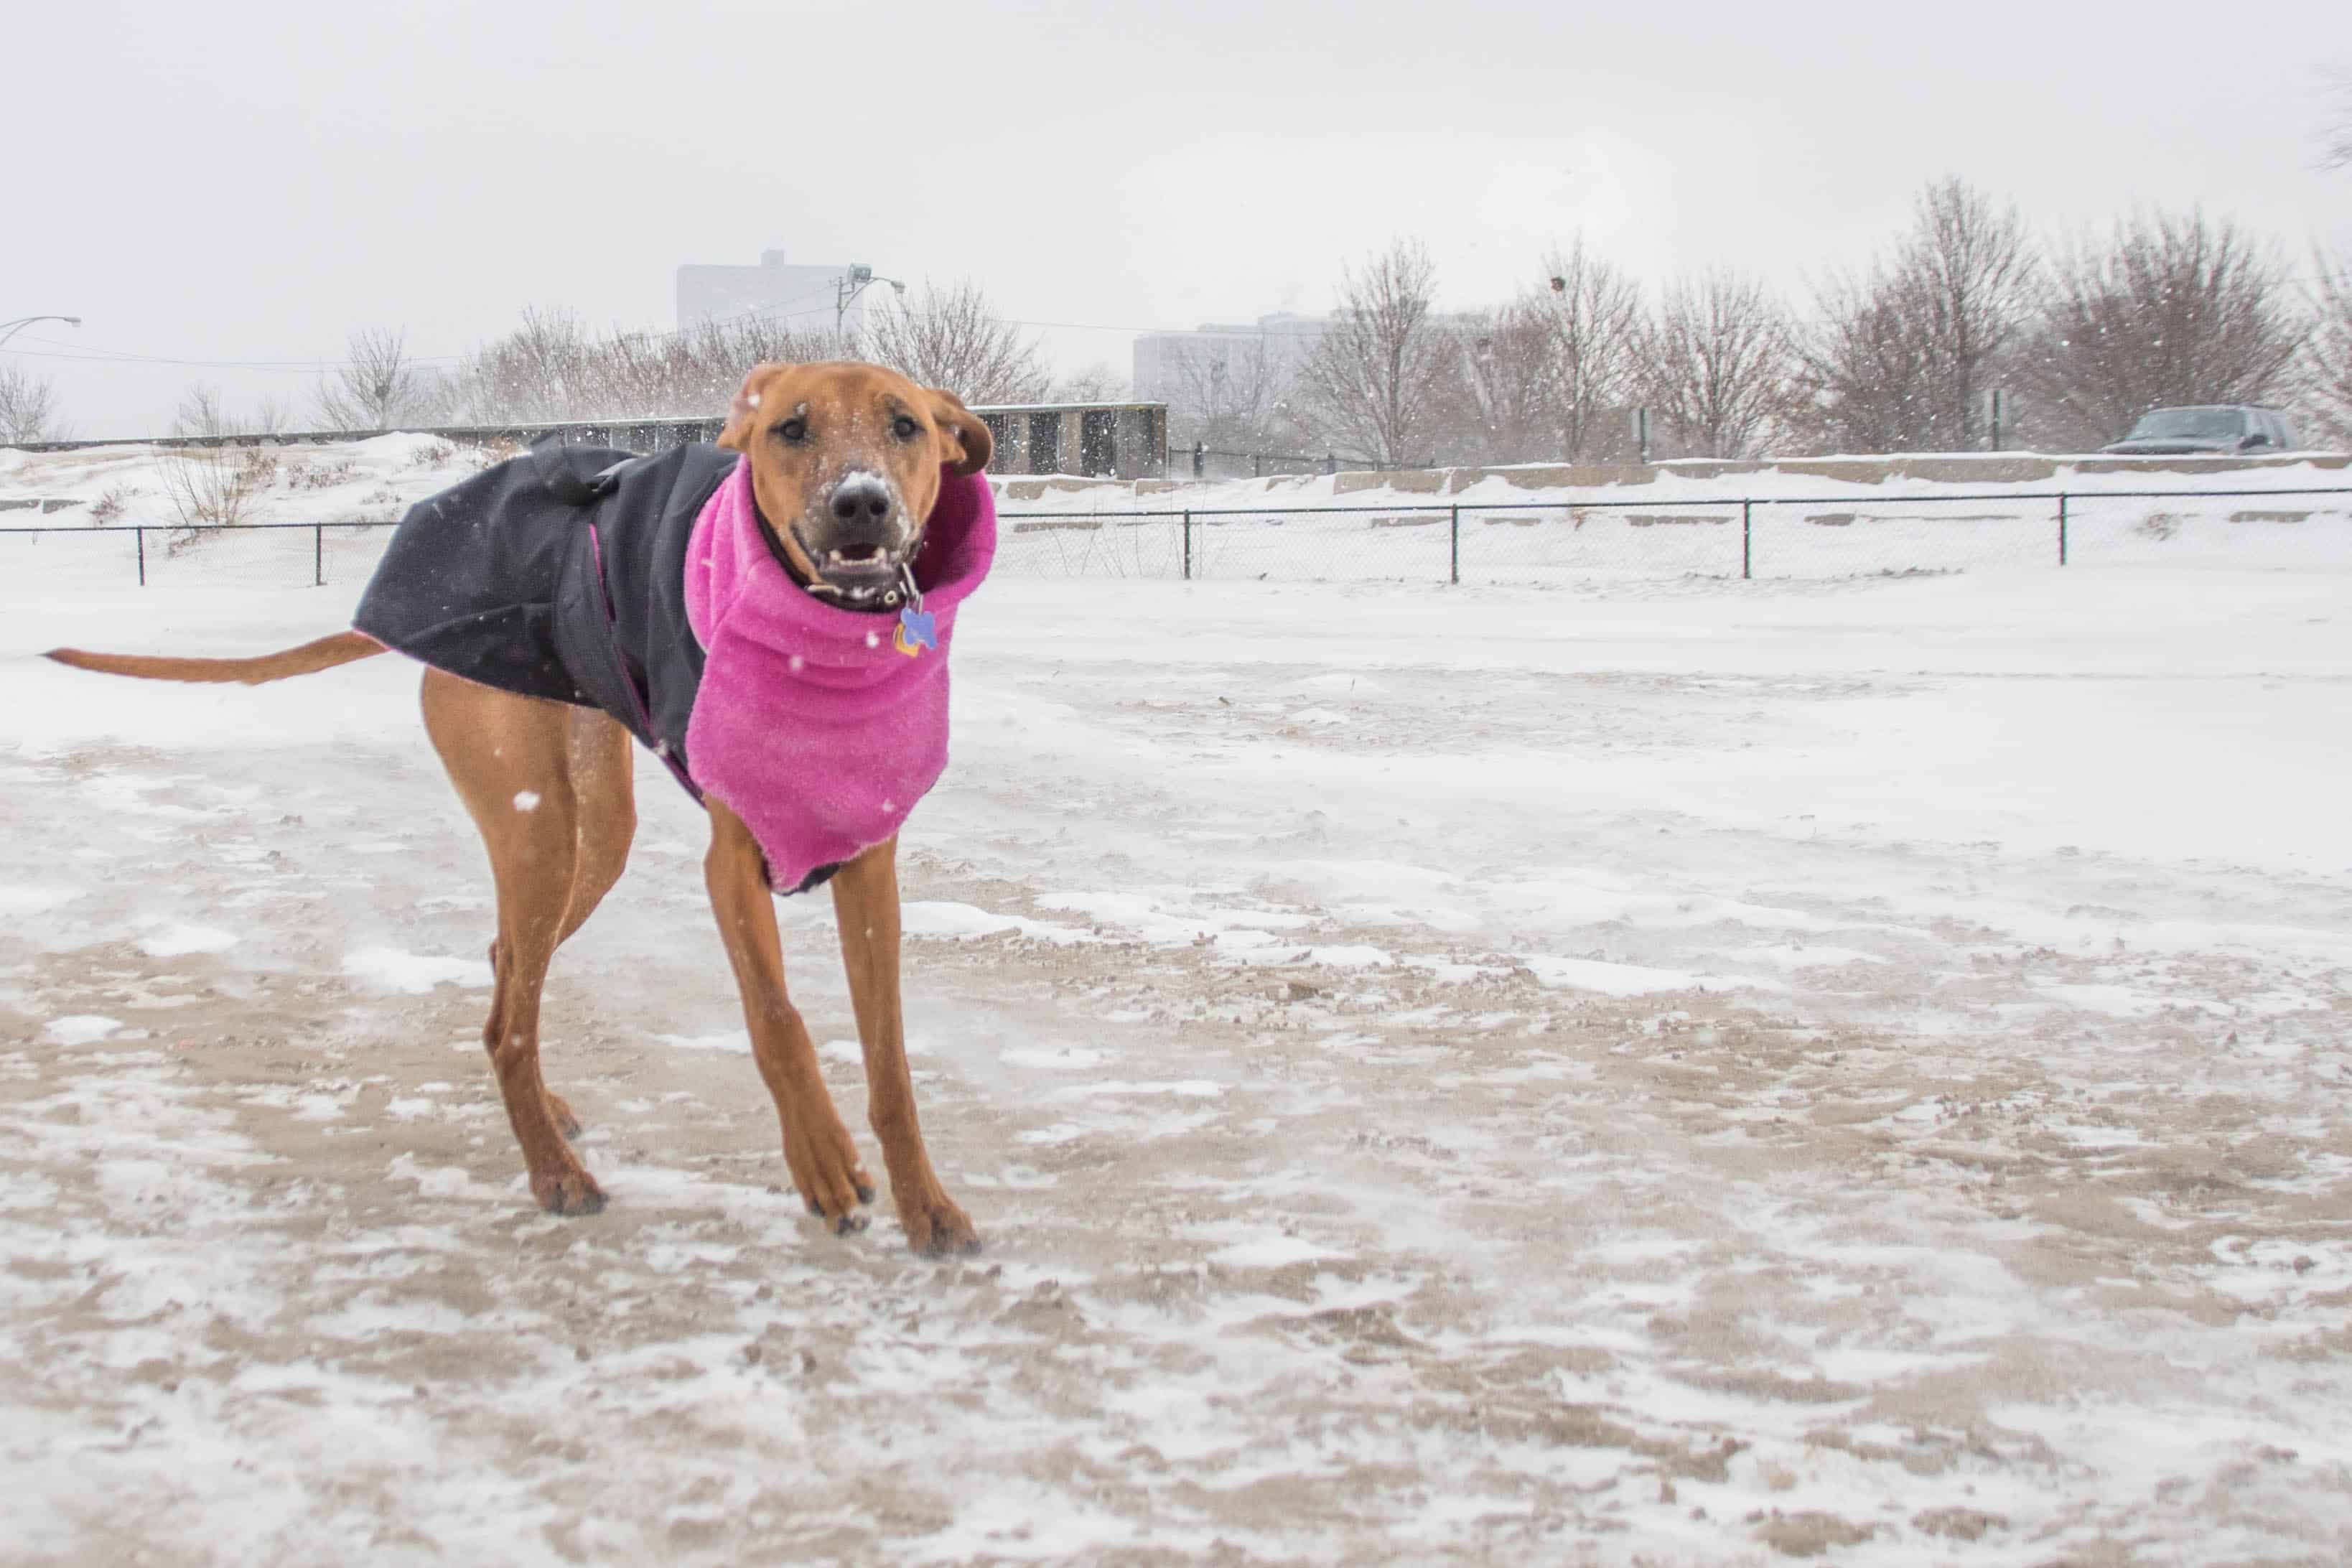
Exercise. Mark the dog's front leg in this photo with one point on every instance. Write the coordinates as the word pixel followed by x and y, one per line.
pixel 816 1145
pixel 865 902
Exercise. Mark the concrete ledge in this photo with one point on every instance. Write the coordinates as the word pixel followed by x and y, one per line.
pixel 1032 489
pixel 1410 481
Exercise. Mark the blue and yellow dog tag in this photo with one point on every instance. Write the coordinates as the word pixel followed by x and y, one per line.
pixel 918 630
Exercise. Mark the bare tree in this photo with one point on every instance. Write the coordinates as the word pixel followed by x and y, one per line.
pixel 1594 316
pixel 1541 377
pixel 1509 411
pixel 698 370
pixel 538 370
pixel 2172 309
pixel 272 416
pixel 203 411
pixel 1716 363
pixel 1378 378
pixel 1096 383
pixel 1866 373
pixel 2336 136
pixel 1903 355
pixel 377 385
pixel 28 406
pixel 552 367
pixel 2327 352
pixel 1229 395
pixel 951 338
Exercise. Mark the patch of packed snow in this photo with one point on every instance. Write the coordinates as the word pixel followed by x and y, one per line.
pixel 394 970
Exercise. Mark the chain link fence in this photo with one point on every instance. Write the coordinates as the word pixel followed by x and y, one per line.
pixel 1751 538
pixel 249 555
pixel 1757 538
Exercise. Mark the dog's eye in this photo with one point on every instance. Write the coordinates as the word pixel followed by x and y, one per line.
pixel 795 430
pixel 904 428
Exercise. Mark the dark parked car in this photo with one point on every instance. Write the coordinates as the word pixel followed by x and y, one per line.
pixel 2215 430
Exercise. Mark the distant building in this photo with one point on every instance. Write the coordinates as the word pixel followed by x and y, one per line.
pixel 801 297
pixel 1163 360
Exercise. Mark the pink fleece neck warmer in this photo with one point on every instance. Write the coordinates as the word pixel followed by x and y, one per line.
pixel 811 723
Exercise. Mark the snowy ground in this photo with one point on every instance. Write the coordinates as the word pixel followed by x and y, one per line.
pixel 1654 1072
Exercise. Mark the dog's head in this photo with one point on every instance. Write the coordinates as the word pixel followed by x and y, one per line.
pixel 846 462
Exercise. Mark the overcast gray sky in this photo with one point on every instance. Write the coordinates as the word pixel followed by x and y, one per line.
pixel 245 181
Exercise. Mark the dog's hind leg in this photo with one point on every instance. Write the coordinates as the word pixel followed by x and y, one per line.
pixel 509 758
pixel 604 797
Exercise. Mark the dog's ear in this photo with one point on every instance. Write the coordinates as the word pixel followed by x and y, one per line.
pixel 743 417
pixel 966 445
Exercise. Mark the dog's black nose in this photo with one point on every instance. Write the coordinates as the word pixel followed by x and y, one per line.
pixel 860 499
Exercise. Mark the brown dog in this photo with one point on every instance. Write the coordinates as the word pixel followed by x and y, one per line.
pixel 808 431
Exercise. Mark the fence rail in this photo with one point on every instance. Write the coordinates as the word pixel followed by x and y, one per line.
pixel 1535 539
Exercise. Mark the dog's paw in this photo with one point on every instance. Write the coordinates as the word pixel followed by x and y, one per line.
pixel 569 1192
pixel 843 1224
pixel 826 1171
pixel 935 1227
pixel 844 1219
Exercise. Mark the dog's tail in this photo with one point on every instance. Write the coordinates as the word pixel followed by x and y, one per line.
pixel 309 659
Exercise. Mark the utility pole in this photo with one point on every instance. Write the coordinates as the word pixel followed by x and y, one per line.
pixel 850 285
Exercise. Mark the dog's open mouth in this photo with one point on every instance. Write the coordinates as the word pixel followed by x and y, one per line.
pixel 855 574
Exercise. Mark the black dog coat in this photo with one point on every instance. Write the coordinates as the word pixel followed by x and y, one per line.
pixel 559 574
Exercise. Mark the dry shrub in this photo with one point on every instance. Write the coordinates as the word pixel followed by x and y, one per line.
pixel 301 475
pixel 212 488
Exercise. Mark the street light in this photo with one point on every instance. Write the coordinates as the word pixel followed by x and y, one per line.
pixel 10 329
pixel 853 283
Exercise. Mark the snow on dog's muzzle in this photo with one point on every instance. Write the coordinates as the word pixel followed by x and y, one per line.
pixel 856 537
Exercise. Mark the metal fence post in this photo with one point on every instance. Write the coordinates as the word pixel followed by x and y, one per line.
pixel 1747 539
pixel 319 556
pixel 1188 547
pixel 2062 528
pixel 1454 548
pixel 141 535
